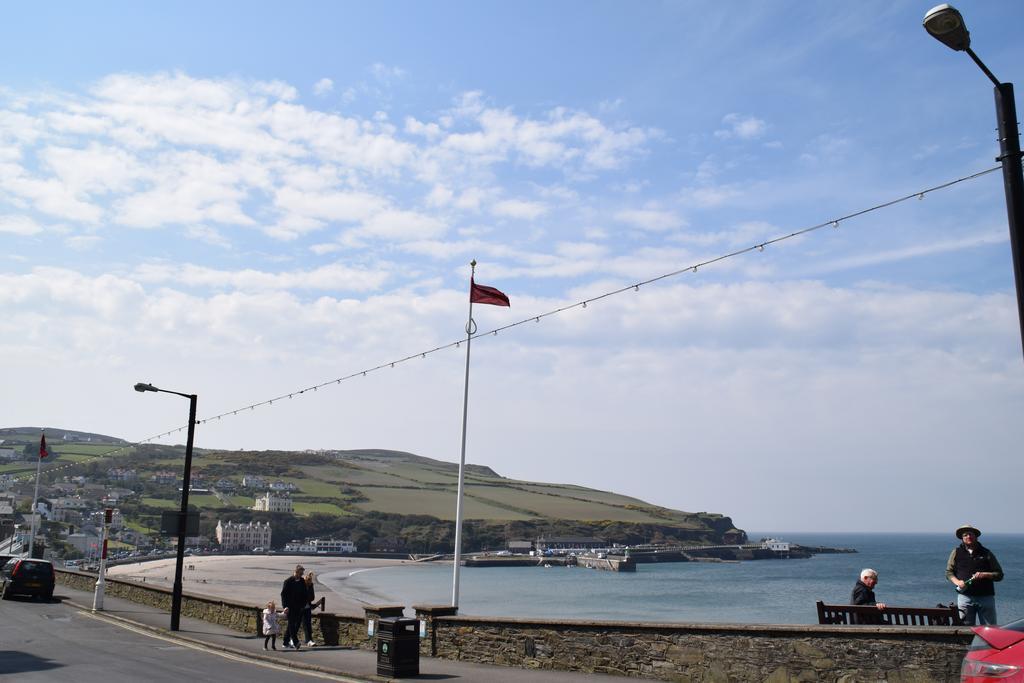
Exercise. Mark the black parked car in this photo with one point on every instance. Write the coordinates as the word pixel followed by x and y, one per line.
pixel 24 576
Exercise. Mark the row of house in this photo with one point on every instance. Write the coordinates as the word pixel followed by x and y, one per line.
pixel 243 535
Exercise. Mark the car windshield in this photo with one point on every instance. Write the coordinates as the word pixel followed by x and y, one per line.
pixel 30 568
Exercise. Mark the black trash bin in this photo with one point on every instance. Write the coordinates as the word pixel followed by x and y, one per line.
pixel 398 647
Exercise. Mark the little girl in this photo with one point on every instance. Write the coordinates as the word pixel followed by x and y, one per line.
pixel 270 626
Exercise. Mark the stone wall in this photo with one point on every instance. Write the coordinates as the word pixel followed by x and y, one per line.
pixel 708 653
pixel 328 628
pixel 697 653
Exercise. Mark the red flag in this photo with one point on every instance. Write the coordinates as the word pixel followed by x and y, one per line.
pixel 481 294
pixel 42 447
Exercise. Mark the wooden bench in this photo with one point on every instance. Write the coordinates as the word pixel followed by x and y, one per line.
pixel 890 616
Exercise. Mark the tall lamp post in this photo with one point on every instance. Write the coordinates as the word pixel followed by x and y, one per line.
pixel 179 565
pixel 945 24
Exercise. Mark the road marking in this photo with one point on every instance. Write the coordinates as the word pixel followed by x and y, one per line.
pixel 217 652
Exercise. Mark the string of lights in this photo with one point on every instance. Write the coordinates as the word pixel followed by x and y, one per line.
pixel 692 268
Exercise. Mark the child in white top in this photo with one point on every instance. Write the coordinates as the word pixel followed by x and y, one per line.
pixel 270 626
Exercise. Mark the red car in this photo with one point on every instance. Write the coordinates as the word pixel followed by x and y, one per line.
pixel 995 654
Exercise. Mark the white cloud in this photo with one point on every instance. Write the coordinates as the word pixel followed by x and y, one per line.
pixel 190 188
pixel 741 127
pixel 439 196
pixel 518 208
pixel 902 254
pixel 657 220
pixel 95 169
pixel 333 277
pixel 385 73
pixel 323 86
pixel 83 242
pixel 211 236
pixel 399 225
pixel 19 225
pixel 49 195
pixel 338 206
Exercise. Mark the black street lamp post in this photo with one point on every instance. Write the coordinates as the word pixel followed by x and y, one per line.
pixel 945 24
pixel 179 565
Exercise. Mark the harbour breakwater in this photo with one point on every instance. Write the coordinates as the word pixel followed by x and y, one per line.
pixel 626 560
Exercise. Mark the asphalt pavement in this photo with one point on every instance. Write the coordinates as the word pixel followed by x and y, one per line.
pixel 343 662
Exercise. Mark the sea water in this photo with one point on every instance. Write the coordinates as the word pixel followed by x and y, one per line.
pixel 911 570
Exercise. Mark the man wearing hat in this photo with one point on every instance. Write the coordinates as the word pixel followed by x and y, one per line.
pixel 973 569
pixel 293 598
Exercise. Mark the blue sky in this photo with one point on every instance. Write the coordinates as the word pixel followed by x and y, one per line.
pixel 244 200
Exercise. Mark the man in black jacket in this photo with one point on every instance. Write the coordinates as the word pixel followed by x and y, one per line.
pixel 864 590
pixel 293 598
pixel 973 569
pixel 863 593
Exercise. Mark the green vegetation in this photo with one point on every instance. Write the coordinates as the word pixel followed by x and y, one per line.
pixel 372 497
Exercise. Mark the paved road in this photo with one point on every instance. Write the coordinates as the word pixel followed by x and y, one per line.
pixel 51 641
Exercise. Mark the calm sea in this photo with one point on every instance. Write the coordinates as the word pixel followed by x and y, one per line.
pixel 911 571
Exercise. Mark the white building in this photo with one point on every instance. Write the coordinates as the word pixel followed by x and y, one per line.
pixel 75 504
pixel 87 544
pixel 775 545
pixel 122 474
pixel 243 536
pixel 269 502
pixel 251 481
pixel 320 545
pixel 165 477
pixel 329 545
pixel 116 520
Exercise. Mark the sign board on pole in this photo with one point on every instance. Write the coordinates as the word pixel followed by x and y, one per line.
pixel 169 523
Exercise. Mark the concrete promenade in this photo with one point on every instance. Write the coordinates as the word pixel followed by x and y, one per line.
pixel 342 662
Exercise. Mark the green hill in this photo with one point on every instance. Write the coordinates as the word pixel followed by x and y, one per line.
pixel 384 498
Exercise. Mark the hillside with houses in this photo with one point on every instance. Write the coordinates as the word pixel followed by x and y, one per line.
pixel 370 500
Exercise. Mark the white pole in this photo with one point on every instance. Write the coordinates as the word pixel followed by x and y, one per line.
pixel 470 329
pixel 35 500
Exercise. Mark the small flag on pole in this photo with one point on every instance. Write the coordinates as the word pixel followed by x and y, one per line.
pixel 42 447
pixel 482 294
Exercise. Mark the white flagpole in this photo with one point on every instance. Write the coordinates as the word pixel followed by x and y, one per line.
pixel 35 501
pixel 470 330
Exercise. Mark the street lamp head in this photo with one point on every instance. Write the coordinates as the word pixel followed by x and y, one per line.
pixel 945 24
pixel 142 386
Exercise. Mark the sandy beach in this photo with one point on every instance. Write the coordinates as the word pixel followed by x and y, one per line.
pixel 255 579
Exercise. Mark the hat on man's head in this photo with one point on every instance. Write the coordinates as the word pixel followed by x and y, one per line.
pixel 961 530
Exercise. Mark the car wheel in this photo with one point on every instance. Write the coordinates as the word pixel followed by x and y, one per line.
pixel 4 595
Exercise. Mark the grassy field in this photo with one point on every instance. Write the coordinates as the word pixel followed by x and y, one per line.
pixel 313 487
pixel 440 504
pixel 160 503
pixel 324 508
pixel 559 507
